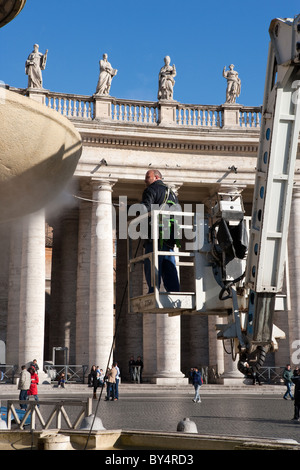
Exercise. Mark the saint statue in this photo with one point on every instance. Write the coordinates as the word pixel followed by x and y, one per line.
pixel 233 84
pixel 166 80
pixel 105 78
pixel 34 65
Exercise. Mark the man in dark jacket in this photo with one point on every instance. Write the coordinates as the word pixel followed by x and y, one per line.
pixel 158 194
pixel 287 375
pixel 197 382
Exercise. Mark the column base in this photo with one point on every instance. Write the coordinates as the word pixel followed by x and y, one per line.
pixel 232 378
pixel 169 380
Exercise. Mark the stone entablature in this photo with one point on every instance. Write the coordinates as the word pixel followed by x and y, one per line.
pixel 193 144
pixel 90 139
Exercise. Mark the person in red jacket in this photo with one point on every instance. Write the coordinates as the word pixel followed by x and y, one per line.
pixel 33 390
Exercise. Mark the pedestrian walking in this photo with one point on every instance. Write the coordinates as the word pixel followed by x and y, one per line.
pixel 23 386
pixel 111 383
pixel 117 381
pixel 33 390
pixel 287 376
pixel 197 382
pixel 94 380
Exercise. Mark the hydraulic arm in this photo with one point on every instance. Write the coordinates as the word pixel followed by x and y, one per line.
pixel 272 196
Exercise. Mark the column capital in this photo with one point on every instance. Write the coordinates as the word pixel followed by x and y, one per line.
pixel 103 184
pixel 231 188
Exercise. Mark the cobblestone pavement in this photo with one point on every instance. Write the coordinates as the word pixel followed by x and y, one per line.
pixel 228 413
pixel 221 415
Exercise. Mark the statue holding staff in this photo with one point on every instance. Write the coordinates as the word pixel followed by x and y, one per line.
pixel 35 63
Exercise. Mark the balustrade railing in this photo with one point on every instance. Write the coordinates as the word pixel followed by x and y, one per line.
pixel 199 115
pixel 71 106
pixel 143 112
pixel 81 107
pixel 250 117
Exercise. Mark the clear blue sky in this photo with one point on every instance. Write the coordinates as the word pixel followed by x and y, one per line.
pixel 200 37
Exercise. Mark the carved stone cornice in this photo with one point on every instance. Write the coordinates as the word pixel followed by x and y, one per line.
pixel 171 145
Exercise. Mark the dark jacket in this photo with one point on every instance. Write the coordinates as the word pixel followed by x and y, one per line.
pixel 296 381
pixel 287 375
pixel 196 377
pixel 156 193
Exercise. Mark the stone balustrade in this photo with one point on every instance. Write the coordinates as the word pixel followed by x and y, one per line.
pixel 199 115
pixel 143 112
pixel 150 113
pixel 71 106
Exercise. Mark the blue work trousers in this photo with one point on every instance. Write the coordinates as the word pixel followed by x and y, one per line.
pixel 166 269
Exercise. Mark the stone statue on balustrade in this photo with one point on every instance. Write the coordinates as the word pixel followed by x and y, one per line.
pixel 35 63
pixel 105 77
pixel 166 80
pixel 233 84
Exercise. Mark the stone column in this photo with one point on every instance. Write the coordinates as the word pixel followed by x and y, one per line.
pixel 13 318
pixel 32 298
pixel 68 278
pixel 168 334
pixel 294 269
pixel 231 376
pixel 4 284
pixel 216 350
pixel 83 278
pixel 54 333
pixel 149 346
pixel 101 321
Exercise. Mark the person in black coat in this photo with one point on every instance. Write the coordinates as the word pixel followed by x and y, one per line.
pixel 157 194
pixel 197 381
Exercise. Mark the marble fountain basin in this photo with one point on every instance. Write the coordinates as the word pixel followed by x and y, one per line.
pixel 39 152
